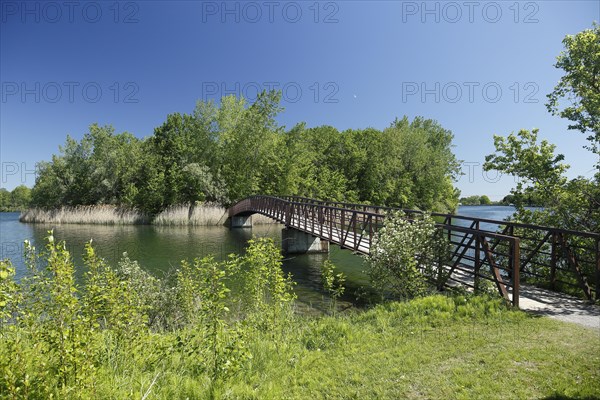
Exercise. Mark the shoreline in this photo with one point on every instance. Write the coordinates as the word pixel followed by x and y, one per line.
pixel 178 215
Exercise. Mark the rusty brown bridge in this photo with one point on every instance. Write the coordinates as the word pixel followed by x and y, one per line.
pixel 502 252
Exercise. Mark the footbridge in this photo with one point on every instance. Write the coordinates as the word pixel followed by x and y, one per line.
pixel 504 253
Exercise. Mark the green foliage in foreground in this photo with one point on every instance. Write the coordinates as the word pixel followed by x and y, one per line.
pixel 435 347
pixel 57 337
pixel 224 330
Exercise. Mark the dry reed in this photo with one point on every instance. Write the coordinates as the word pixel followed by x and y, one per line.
pixel 180 215
pixel 97 214
pixel 195 215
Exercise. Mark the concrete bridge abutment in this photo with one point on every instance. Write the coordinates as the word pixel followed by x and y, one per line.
pixel 296 242
pixel 241 221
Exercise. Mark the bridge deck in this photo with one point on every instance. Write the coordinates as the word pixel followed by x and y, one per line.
pixel 358 243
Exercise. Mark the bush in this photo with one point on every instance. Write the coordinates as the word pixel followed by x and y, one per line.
pixel 407 255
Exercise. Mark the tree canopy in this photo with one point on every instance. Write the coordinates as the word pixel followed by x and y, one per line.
pixel 567 203
pixel 223 153
pixel 580 85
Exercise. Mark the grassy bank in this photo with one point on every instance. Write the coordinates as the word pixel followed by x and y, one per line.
pixel 127 334
pixel 426 349
pixel 182 215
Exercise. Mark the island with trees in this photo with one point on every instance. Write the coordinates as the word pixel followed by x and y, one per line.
pixel 219 154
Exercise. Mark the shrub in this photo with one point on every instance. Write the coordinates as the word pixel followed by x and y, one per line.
pixel 333 283
pixel 8 291
pixel 266 293
pixel 407 255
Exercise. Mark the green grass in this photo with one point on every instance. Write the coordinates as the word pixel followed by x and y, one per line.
pixel 397 352
pixel 435 347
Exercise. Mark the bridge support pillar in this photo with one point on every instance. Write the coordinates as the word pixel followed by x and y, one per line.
pixel 241 221
pixel 296 242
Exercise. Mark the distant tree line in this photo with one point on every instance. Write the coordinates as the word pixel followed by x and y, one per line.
pixel 518 199
pixel 475 200
pixel 223 153
pixel 16 200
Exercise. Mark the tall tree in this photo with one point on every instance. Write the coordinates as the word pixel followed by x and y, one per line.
pixel 569 204
pixel 20 197
pixel 248 142
pixel 580 86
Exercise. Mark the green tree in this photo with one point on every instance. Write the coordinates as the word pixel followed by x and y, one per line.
pixel 5 201
pixel 299 177
pixel 98 169
pixel 569 204
pixel 474 200
pixel 20 197
pixel 535 163
pixel 508 199
pixel 485 200
pixel 420 165
pixel 579 86
pixel 248 142
pixel 114 164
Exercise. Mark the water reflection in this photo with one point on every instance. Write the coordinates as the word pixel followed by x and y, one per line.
pixel 159 249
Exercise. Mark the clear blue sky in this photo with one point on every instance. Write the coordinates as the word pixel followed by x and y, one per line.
pixel 350 64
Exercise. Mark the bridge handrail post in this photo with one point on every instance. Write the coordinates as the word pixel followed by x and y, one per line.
pixel 553 260
pixel 597 269
pixel 343 215
pixel 476 278
pixel 370 222
pixel 331 216
pixel 355 216
pixel 516 270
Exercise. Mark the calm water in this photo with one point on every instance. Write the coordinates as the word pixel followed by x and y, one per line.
pixel 158 249
pixel 485 212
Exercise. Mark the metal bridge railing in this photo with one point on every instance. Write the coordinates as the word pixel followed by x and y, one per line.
pixel 476 254
pixel 560 259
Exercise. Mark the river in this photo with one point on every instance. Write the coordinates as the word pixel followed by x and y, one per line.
pixel 159 249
